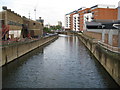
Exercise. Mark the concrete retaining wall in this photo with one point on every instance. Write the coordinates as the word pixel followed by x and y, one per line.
pixel 15 51
pixel 109 60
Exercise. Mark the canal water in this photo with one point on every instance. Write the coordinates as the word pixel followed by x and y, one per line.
pixel 65 63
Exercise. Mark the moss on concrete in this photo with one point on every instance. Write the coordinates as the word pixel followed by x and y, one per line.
pixel 107 52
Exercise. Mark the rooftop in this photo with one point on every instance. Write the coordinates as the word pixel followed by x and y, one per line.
pixel 103 6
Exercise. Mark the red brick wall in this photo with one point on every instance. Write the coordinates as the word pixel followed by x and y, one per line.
pixel 115 40
pixel 105 13
pixel 98 36
pixel 71 21
pixel 106 38
pixel 95 35
pixel 82 12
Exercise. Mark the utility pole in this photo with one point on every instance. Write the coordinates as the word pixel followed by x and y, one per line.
pixel 29 14
pixel 35 13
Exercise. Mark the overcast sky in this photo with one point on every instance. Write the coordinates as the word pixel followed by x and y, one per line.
pixel 51 11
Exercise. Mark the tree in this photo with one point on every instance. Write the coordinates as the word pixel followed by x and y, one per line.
pixel 46 30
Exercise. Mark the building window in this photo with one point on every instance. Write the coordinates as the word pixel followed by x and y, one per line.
pixel 14 23
pixel 33 23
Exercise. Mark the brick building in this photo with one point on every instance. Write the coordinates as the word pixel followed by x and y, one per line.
pixel 97 22
pixel 15 21
pixel 35 28
pixel 81 18
pixel 67 21
pixel 100 25
pixel 76 19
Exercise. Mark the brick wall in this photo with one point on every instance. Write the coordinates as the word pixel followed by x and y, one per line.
pixel 106 39
pixel 98 36
pixel 115 40
pixel 14 18
pixel 15 22
pixel 94 35
pixel 81 13
pixel 105 14
pixel 35 27
pixel 71 21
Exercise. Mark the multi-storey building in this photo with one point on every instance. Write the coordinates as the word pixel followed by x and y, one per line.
pixel 15 21
pixel 35 28
pixel 60 23
pixel 71 19
pixel 102 13
pixel 81 18
pixel 76 20
pixel 99 24
pixel 67 21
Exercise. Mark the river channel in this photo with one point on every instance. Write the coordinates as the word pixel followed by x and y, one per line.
pixel 65 63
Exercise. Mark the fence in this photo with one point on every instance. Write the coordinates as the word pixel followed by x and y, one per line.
pixel 109 47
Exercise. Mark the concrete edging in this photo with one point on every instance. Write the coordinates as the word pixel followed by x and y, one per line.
pixel 110 61
pixel 13 52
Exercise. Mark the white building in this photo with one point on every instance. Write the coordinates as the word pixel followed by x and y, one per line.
pixel 67 21
pixel 88 17
pixel 76 22
pixel 59 23
pixel 103 6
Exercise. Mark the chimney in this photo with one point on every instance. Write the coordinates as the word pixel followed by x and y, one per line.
pixel 4 8
pixel 39 18
pixel 119 10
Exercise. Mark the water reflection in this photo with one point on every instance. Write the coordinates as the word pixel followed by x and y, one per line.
pixel 65 63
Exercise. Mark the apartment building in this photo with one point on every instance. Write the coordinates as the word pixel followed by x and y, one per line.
pixel 75 20
pixel 100 24
pixel 67 22
pixel 82 19
pixel 102 13
pixel 60 23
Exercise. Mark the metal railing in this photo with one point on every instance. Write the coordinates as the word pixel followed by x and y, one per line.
pixel 109 47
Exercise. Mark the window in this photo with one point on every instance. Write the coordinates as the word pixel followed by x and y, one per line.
pixel 33 23
pixel 14 23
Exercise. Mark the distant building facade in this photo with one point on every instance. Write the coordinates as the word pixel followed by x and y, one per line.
pixel 60 23
pixel 67 22
pixel 15 22
pixel 100 24
pixel 35 28
pixel 75 20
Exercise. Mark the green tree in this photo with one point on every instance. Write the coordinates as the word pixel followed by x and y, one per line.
pixel 58 27
pixel 46 30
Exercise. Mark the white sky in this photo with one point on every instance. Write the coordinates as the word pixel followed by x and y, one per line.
pixel 51 11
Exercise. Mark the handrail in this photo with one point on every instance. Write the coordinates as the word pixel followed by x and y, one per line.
pixel 109 47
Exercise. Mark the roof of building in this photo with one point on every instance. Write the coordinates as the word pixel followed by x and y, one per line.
pixel 104 25
pixel 102 6
pixel 75 11
pixel 5 8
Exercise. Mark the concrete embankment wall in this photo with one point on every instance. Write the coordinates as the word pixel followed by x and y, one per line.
pixel 9 53
pixel 108 59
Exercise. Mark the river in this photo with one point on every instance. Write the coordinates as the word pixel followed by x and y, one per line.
pixel 65 63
